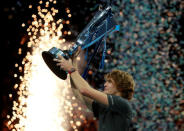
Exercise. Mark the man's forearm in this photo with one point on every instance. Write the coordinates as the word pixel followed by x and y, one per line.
pixel 85 100
pixel 86 90
pixel 79 82
pixel 76 92
pixel 72 84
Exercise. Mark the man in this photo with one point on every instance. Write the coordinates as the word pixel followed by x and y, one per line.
pixel 111 106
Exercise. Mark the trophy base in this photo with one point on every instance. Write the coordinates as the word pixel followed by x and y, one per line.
pixel 48 58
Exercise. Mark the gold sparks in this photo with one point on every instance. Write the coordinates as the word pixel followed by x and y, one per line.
pixel 43 102
pixel 69 15
pixel 30 6
pixel 23 25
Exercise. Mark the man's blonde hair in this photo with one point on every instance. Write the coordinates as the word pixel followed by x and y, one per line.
pixel 124 82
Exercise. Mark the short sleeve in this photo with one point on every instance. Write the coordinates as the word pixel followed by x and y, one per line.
pixel 119 104
pixel 95 108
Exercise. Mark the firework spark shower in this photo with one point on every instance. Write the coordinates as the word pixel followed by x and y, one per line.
pixel 41 93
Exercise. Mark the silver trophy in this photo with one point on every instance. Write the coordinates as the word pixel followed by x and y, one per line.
pixel 101 25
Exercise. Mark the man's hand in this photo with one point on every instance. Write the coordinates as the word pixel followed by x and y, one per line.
pixel 67 65
pixel 64 64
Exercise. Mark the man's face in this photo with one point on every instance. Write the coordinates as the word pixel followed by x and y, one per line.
pixel 110 87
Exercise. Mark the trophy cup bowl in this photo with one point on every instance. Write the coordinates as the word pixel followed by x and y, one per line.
pixel 48 57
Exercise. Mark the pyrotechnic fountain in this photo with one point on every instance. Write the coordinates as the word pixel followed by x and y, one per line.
pixel 41 102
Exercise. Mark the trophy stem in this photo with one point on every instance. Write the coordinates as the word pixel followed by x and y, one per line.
pixel 73 49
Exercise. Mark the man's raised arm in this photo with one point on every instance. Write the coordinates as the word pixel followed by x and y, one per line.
pixel 81 84
pixel 85 100
pixel 86 90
